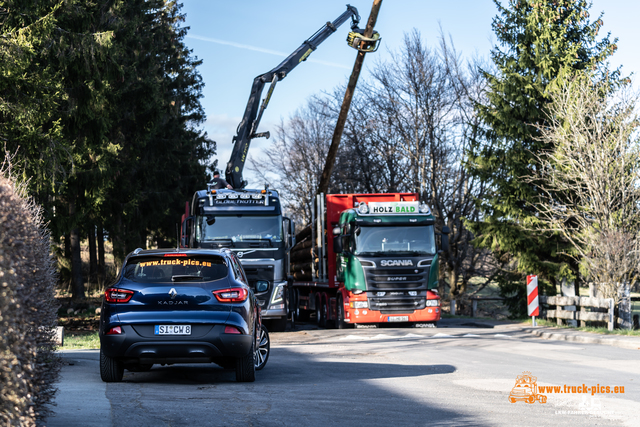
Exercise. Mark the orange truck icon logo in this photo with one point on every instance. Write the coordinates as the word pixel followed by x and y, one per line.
pixel 526 389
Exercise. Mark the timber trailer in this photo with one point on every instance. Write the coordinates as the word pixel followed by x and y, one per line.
pixel 368 259
pixel 251 222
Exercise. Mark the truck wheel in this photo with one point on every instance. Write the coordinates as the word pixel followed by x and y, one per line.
pixel 111 370
pixel 321 313
pixel 246 365
pixel 340 323
pixel 264 348
pixel 300 314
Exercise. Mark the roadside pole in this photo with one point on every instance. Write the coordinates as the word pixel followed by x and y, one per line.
pixel 532 298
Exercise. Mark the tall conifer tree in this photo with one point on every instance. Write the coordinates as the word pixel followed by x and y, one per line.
pixel 541 44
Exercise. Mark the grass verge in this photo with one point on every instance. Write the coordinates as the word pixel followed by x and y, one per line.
pixel 594 330
pixel 81 341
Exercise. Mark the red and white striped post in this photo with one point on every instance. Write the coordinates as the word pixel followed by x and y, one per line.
pixel 532 298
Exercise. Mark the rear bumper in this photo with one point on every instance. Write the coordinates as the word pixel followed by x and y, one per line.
pixel 428 315
pixel 136 346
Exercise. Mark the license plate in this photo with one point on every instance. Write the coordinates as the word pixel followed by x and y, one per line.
pixel 173 330
pixel 398 319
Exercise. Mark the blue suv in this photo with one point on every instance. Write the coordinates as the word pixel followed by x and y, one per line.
pixel 181 306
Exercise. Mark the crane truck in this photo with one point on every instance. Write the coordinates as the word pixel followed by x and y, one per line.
pixel 251 222
pixel 368 259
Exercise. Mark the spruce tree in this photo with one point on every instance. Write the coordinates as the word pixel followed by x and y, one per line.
pixel 541 44
pixel 159 152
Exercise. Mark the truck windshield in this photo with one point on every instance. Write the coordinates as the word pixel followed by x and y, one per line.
pixel 238 228
pixel 400 240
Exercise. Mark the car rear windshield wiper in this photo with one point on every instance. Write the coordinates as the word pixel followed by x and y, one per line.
pixel 185 277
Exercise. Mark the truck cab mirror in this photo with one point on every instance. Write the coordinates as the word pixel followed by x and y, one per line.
pixel 336 231
pixel 211 220
pixel 185 233
pixel 337 243
pixel 445 238
pixel 289 229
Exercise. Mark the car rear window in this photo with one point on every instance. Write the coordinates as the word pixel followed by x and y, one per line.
pixel 176 269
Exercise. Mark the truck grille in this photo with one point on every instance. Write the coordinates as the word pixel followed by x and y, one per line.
pixel 396 279
pixel 396 283
pixel 404 303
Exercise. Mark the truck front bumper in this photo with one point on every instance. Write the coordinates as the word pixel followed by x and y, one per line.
pixel 365 315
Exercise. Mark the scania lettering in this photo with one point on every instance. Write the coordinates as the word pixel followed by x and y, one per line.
pixel 368 259
pixel 395 263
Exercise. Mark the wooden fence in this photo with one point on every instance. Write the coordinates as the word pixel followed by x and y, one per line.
pixel 581 303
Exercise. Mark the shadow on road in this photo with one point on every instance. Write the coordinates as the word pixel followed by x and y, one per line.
pixel 293 389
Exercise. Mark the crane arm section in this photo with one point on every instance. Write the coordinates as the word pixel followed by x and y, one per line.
pixel 253 112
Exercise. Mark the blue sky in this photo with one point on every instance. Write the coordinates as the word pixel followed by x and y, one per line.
pixel 240 39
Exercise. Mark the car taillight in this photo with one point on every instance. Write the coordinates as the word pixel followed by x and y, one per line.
pixel 117 295
pixel 231 330
pixel 231 295
pixel 115 331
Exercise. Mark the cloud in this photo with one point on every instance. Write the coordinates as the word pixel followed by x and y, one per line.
pixel 262 50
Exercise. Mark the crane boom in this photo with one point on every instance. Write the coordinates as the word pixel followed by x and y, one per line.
pixel 253 112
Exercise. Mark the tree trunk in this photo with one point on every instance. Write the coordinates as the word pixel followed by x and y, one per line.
pixel 77 283
pixel 119 249
pixel 93 261
pixel 101 265
pixel 67 246
pixel 453 283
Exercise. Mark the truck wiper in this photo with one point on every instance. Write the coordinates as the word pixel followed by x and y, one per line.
pixel 185 277
pixel 223 242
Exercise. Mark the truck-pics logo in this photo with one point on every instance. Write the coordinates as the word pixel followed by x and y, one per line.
pixel 396 263
pixel 526 389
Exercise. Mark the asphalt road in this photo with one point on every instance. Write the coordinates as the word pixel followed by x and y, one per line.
pixel 457 376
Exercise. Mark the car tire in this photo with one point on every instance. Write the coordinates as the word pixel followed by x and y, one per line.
pixel 264 348
pixel 111 370
pixel 246 365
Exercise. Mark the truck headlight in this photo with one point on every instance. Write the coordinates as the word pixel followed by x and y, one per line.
pixel 359 304
pixel 278 294
pixel 433 303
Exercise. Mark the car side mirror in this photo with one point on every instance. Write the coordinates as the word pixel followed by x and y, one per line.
pixel 262 286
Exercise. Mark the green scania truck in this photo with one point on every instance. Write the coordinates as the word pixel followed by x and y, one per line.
pixel 367 259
